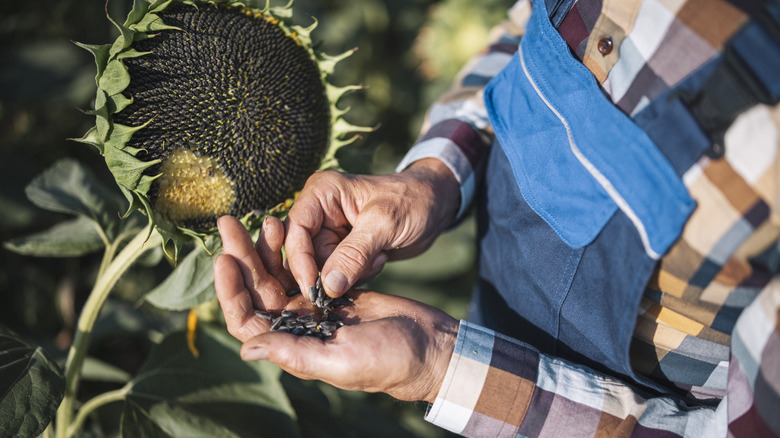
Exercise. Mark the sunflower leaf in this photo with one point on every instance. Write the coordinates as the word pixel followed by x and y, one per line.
pixel 69 187
pixel 285 12
pixel 115 78
pixel 100 52
pixel 91 137
pixel 136 422
pixel 121 134
pixel 152 23
pixel 217 394
pixel 124 40
pixel 73 238
pixel 127 169
pixel 131 53
pixel 190 284
pixel 140 7
pixel 102 124
pixel 31 387
pixel 118 102
pixel 159 5
pixel 99 371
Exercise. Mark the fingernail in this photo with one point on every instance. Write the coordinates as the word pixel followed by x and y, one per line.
pixel 335 282
pixel 255 353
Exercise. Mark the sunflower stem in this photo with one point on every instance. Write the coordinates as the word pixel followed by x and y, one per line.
pixel 94 403
pixel 142 242
pixel 110 252
pixel 49 431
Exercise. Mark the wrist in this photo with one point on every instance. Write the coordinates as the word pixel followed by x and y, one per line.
pixel 444 187
pixel 444 346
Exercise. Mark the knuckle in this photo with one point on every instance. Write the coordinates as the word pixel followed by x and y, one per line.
pixel 354 256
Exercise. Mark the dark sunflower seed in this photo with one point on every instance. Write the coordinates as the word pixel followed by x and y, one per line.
pixel 328 325
pixel 276 323
pixel 263 314
pixel 289 313
pixel 305 318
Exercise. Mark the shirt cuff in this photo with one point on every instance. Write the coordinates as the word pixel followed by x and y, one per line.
pixel 448 152
pixel 488 385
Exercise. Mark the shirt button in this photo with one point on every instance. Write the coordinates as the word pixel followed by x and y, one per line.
pixel 605 46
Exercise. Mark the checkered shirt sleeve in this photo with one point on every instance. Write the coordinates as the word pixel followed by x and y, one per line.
pixel 456 128
pixel 497 386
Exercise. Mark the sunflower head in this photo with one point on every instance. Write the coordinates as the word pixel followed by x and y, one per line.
pixel 212 108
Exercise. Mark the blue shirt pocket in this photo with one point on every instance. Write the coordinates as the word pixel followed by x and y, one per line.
pixel 576 157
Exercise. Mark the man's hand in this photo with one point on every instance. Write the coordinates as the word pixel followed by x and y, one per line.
pixel 389 344
pixel 350 225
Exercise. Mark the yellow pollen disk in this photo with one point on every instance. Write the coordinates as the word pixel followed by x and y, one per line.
pixel 192 187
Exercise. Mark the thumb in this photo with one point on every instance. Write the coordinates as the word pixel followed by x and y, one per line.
pixel 305 357
pixel 357 256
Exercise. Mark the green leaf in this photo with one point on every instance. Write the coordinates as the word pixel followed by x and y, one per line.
pixel 215 394
pixel 72 238
pixel 140 7
pixel 101 57
pixel 99 371
pixel 126 168
pixel 152 23
pixel 122 42
pixel 102 123
pixel 138 423
pixel 69 187
pixel 117 103
pixel 91 138
pixel 159 5
pixel 115 78
pixel 31 387
pixel 190 284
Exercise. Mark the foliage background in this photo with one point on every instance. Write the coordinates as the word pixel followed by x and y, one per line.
pixel 409 50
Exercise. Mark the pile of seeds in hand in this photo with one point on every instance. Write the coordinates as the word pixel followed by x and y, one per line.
pixel 307 325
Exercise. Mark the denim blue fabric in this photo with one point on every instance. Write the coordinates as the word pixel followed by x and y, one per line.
pixel 579 304
pixel 562 265
pixel 761 52
pixel 577 157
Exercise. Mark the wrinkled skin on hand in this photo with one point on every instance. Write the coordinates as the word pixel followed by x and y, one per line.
pixel 389 344
pixel 348 226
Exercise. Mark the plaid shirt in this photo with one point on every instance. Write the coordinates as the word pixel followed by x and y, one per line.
pixel 708 321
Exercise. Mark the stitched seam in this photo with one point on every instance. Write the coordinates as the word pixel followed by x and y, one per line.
pixel 526 403
pixel 566 291
pixel 594 172
pixel 555 315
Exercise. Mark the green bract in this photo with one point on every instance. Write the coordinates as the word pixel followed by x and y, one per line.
pixel 212 108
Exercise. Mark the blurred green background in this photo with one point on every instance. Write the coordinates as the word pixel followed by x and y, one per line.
pixel 408 52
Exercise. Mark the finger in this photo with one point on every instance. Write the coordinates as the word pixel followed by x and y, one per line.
pixel 325 242
pixel 237 243
pixel 269 248
pixel 302 356
pixel 235 300
pixel 302 224
pixel 354 257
